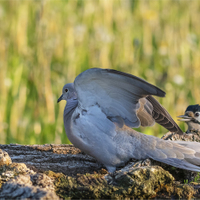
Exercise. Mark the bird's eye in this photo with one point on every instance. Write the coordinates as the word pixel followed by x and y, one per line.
pixel 66 90
pixel 196 114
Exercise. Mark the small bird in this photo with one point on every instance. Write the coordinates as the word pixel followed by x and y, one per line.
pixel 192 118
pixel 103 105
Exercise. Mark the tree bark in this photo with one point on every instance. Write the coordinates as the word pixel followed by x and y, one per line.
pixel 58 158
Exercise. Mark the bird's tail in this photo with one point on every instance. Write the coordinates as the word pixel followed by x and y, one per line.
pixel 180 154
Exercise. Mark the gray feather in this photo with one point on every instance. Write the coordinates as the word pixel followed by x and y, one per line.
pixel 178 154
pixel 122 93
pixel 101 107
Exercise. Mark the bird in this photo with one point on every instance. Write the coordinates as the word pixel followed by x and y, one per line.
pixel 104 105
pixel 192 118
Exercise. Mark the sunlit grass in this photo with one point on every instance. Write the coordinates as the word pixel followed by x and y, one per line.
pixel 45 44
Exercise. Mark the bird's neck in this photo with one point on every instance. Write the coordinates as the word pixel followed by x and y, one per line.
pixel 193 127
pixel 196 122
pixel 70 106
pixel 68 112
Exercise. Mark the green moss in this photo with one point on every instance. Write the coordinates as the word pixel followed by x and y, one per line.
pixel 184 191
pixel 141 182
pixel 138 183
pixel 12 170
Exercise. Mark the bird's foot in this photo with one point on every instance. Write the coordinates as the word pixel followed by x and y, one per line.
pixel 134 164
pixel 142 163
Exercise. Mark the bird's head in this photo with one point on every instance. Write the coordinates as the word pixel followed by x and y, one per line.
pixel 68 93
pixel 191 117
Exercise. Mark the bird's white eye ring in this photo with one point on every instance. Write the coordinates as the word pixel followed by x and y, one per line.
pixel 196 114
pixel 66 90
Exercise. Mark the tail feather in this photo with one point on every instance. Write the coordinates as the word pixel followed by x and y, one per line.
pixel 180 154
pixel 192 145
pixel 186 156
pixel 183 164
pixel 194 161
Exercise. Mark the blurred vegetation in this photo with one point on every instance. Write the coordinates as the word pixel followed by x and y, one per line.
pixel 45 44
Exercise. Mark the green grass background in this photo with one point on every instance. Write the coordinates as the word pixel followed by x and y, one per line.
pixel 45 44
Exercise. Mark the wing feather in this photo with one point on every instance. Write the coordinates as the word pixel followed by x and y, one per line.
pixel 162 117
pixel 117 93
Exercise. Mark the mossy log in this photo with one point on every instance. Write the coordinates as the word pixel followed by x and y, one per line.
pixel 63 171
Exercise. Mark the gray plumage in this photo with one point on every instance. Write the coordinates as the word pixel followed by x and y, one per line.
pixel 103 106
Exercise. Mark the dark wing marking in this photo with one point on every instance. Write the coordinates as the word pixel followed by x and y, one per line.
pixel 162 117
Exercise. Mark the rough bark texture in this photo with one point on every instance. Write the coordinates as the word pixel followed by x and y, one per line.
pixel 63 171
pixel 58 158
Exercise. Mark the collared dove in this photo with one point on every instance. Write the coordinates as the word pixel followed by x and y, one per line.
pixel 103 105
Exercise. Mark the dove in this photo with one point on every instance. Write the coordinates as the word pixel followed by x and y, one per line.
pixel 104 105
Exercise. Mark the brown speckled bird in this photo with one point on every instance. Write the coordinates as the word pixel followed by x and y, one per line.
pixel 192 118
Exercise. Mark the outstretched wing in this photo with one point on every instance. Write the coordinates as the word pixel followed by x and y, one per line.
pixel 117 94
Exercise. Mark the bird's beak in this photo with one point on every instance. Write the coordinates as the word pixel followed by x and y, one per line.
pixel 60 98
pixel 187 117
pixel 184 118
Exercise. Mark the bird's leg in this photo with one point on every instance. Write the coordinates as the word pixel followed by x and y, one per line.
pixel 142 163
pixel 135 163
